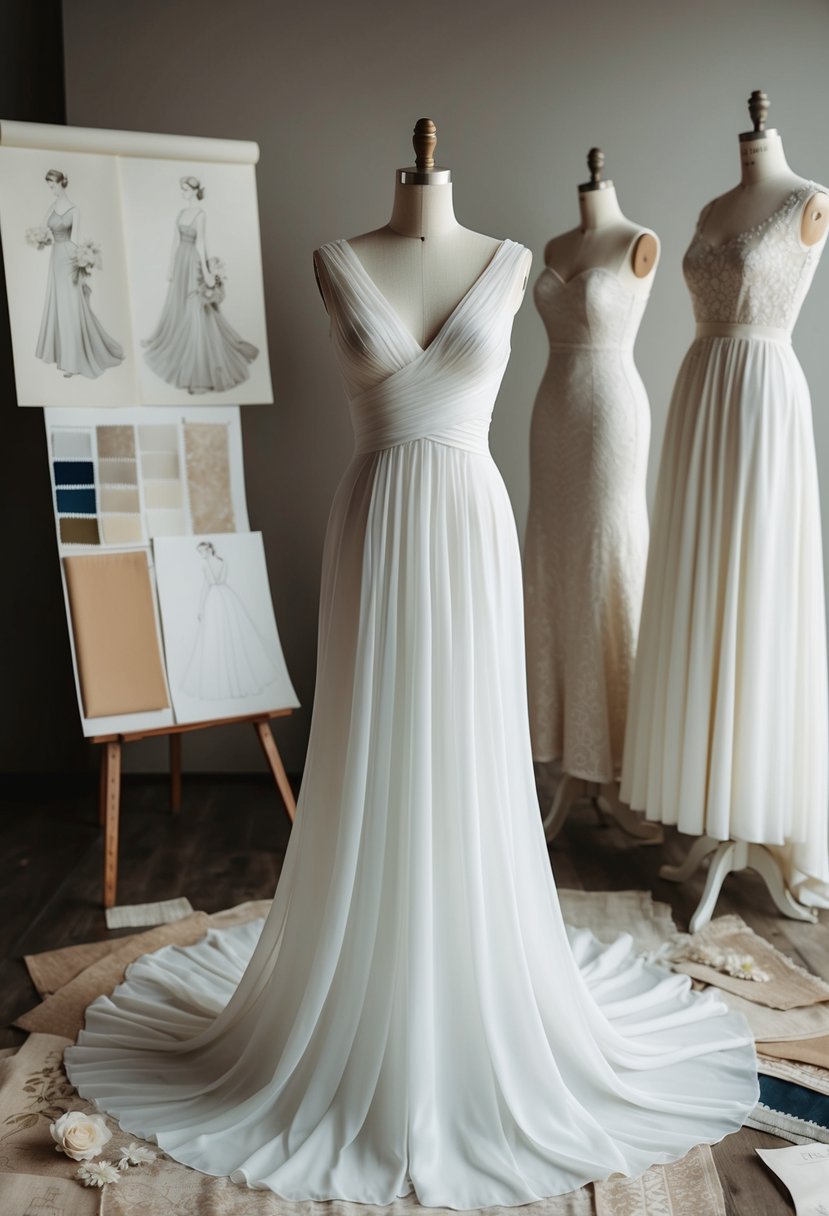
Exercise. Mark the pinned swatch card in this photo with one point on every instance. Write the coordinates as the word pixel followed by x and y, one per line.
pixel 117 649
pixel 223 653
pixel 804 1170
pixel 121 478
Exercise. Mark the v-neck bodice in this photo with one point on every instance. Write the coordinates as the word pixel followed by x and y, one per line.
pixel 398 390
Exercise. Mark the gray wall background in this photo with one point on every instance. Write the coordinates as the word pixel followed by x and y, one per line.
pixel 519 92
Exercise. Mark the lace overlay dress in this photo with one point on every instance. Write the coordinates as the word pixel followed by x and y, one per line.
pixel 587 529
pixel 727 731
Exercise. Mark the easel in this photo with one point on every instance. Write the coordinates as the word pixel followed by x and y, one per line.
pixel 110 788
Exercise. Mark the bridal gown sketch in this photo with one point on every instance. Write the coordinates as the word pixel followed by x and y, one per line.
pixel 414 1015
pixel 70 336
pixel 194 346
pixel 229 658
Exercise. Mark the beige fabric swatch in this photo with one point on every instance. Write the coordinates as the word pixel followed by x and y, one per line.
pixel 163 522
pixel 609 913
pixel 116 639
pixel 812 1076
pixel 790 986
pixel 162 493
pixel 159 464
pixel 119 498
pixel 63 1011
pixel 30 1193
pixel 121 529
pixel 51 969
pixel 158 437
pixel 161 912
pixel 810 1051
pixel 115 440
pixel 690 1187
pixel 774 1025
pixel 208 476
pixel 117 472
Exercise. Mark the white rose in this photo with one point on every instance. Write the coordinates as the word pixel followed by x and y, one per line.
pixel 80 1136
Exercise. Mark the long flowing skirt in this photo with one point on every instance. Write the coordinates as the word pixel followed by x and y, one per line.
pixel 413 1015
pixel 71 336
pixel 728 730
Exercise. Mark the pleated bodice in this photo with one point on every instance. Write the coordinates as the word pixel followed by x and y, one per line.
pixel 398 390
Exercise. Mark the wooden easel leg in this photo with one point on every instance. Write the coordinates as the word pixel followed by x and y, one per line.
pixel 113 806
pixel 175 772
pixel 265 736
pixel 102 788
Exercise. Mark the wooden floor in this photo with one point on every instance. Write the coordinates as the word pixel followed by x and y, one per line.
pixel 227 845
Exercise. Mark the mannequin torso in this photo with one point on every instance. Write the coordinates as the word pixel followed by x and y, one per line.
pixel 766 183
pixel 604 238
pixel 423 261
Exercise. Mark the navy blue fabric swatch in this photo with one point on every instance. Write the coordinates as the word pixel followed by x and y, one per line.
pixel 73 473
pixel 795 1100
pixel 76 502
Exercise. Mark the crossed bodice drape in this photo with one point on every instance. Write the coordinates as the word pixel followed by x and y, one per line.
pixel 399 391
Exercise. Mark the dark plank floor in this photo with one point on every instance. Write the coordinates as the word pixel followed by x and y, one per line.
pixel 227 845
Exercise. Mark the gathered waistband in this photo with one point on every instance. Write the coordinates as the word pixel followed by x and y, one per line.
pixel 763 333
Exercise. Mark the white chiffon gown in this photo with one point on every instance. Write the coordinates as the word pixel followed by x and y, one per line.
pixel 728 726
pixel 413 1015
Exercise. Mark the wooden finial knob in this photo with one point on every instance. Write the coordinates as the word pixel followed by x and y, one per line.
pixel 595 163
pixel 758 108
pixel 424 142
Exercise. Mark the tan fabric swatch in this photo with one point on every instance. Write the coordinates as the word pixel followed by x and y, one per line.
pixel 27 1193
pixel 809 1051
pixel 689 1187
pixel 116 639
pixel 775 1025
pixel 811 1076
pixel 119 498
pixel 159 464
pixel 208 476
pixel 62 1013
pixel 122 529
pixel 609 913
pixel 790 986
pixel 162 493
pixel 114 472
pixel 115 440
pixel 79 531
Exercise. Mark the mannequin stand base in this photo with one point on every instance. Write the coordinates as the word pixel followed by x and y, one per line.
pixel 605 798
pixel 727 857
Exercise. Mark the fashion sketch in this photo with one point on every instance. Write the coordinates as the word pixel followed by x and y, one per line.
pixel 71 336
pixel 229 658
pixel 193 346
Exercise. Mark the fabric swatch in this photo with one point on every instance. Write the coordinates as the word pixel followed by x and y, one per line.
pixel 116 639
pixel 74 473
pixel 162 493
pixel 71 445
pixel 159 464
pixel 115 472
pixel 208 477
pixel 119 498
pixel 158 438
pixel 76 502
pixel 810 1075
pixel 814 1050
pixel 122 529
pixel 790 986
pixel 78 531
pixel 689 1187
pixel 163 912
pixel 115 440
pixel 167 523
pixel 791 1111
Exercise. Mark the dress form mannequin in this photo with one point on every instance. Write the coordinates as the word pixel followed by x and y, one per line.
pixel 423 261
pixel 604 239
pixel 766 183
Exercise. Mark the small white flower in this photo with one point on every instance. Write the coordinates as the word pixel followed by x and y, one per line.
pixel 98 1174
pixel 79 1135
pixel 134 1154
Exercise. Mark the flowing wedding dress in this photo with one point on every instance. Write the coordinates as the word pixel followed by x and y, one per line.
pixel 586 543
pixel 413 1016
pixel 71 336
pixel 194 346
pixel 727 729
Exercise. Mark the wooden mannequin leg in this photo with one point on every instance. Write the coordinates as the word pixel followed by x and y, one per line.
pixel 570 789
pixel 265 736
pixel 697 853
pixel 175 772
pixel 113 801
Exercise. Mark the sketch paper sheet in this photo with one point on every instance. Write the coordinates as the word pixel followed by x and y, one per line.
pixel 133 268
pixel 221 643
